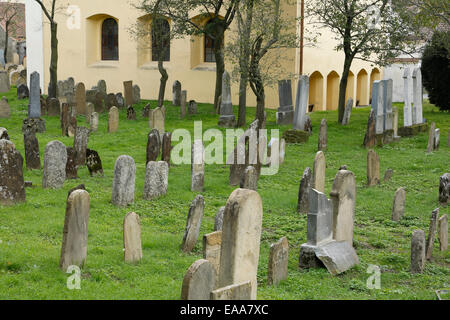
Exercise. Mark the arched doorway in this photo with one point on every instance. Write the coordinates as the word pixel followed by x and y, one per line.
pixel 332 91
pixel 316 91
pixel 362 98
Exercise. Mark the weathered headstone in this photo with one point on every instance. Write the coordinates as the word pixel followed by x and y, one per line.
pixel 53 107
pixel 277 269
pixel 131 113
pixel 444 189
pixel 55 160
pixel 407 111
pixel 32 157
pixel 347 112
pixel 22 91
pixel 198 166
pixel 166 147
pixel 443 232
pixel 194 221
pixel 71 166
pixel 101 86
pixel 90 109
pixel 395 122
pixel 124 181
pixel 176 93
pixel 80 98
pixel 12 189
pixel 5 111
pixel 430 147
pixel 80 143
pixel 34 107
pixel 285 114
pixel 65 119
pixel 370 139
pixel 199 281
pixel 398 209
pixel 218 220
pixel 136 94
pixel 110 101
pixel 323 136
pixel 72 128
pixel 128 91
pixel 373 168
pixel 75 234
pixel 94 122
pixel 158 120
pixel 378 105
pixel 94 163
pixel 437 139
pixel 153 145
pixel 249 179
pixel 308 125
pixel 227 118
pixel 132 245
pixel 4 82
pixel 387 99
pixel 113 120
pixel 343 196
pixel 146 111
pixel 212 243
pixel 318 181
pixel 192 107
pixel 432 234
pixel 239 291
pixel 241 236
pixel 417 96
pixel 301 103
pixel 418 251
pixel 183 104
pixel 120 100
pixel 388 175
pixel 303 192
pixel 156 179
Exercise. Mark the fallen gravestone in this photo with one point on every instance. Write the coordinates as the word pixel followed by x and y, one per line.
pixel 239 291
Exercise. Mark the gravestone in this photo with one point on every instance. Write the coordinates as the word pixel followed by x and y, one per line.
pixel 153 145
pixel 55 160
pixel 65 119
pixel 54 108
pixel 32 157
pixel 13 77
pixel 373 168
pixel 444 189
pixel 75 234
pixel 303 193
pixel 301 104
pixel 395 122
pixel 282 151
pixel 194 221
pixel 131 113
pixel 199 281
pixel 166 147
pixel 4 82
pixel 418 251
pixel 239 291
pixel 407 110
pixel 323 136
pixel 388 175
pixel 72 128
pixel 249 179
pixel 38 125
pixel 128 90
pixel 90 109
pixel 218 220
pixel 34 107
pixel 136 94
pixel 98 102
pixel 347 112
pixel 387 99
pixel 158 120
pixel 192 107
pixel 183 104
pixel 431 234
pixel 241 236
pixel 443 232
pixel 71 166
pixel 120 100
pixel 94 122
pixel 437 139
pixel 132 245
pixel 4 134
pixel 370 139
pixel 417 114
pixel 22 92
pixel 430 147
pixel 124 181
pixel 113 120
pixel 80 143
pixel 277 269
pixel 156 179
pixel 12 188
pixel 337 257
pixel 227 118
pixel 318 181
pixel 176 93
pixel 110 101
pixel 343 196
pixel 212 243
pixel 5 111
pixel 146 111
pixel 198 166
pixel 285 114
pixel 101 86
pixel 398 209
pixel 378 105
pixel 43 106
pixel 94 163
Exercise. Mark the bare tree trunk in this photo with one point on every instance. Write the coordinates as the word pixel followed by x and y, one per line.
pixel 220 65
pixel 54 61
pixel 5 52
pixel 343 88
pixel 242 101
pixel 163 82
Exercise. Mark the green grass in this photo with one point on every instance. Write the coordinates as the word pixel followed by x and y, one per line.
pixel 31 233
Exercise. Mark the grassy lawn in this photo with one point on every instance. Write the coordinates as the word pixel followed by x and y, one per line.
pixel 31 233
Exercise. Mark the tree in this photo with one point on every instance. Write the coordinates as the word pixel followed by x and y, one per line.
pixel 10 14
pixel 179 12
pixel 436 70
pixel 370 30
pixel 50 14
pixel 263 32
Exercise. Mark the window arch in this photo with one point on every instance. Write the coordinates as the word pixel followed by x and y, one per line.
pixel 209 47
pixel 160 39
pixel 110 39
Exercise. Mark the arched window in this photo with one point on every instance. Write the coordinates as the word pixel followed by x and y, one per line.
pixel 110 40
pixel 209 48
pixel 160 39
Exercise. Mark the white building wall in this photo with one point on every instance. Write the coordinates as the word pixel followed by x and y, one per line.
pixel 34 35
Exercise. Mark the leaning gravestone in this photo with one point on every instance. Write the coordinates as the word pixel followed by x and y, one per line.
pixel 80 98
pixel 153 145
pixel 370 139
pixel 194 221
pixel 285 112
pixel 136 94
pixel 241 236
pixel 32 157
pixel 71 166
pixel 227 118
pixel 80 144
pixel 398 209
pixel 132 245
pixel 55 159
pixel 444 189
pixel 347 112
pixel 418 251
pixel 303 193
pixel 239 291
pixel 431 234
pixel 75 234
pixel 212 243
pixel 373 168
pixel 156 179
pixel 199 281
pixel 218 220
pixel 22 91
pixel 113 120
pixel 124 181
pixel 301 103
pixel 12 188
pixel 94 163
pixel 5 111
pixel 4 82
pixel 277 269
pixel 128 90
pixel 176 93
pixel 443 232
pixel 323 136
pixel 249 179
pixel 318 181
pixel 198 166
